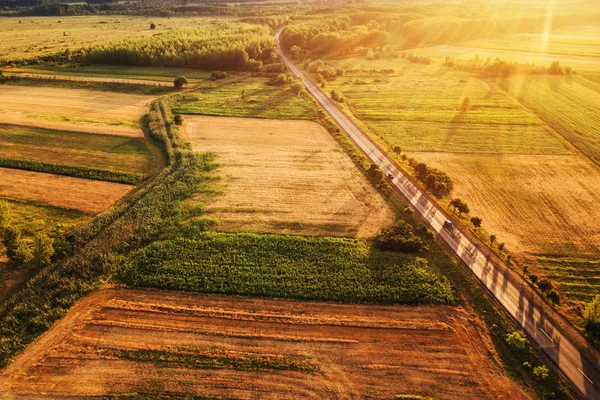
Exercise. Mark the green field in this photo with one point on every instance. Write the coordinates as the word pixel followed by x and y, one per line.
pixel 288 266
pixel 418 108
pixel 77 149
pixel 113 71
pixel 570 106
pixel 260 100
pixel 579 278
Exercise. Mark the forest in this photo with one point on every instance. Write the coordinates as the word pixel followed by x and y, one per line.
pixel 230 46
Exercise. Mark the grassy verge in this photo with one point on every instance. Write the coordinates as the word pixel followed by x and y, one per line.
pixel 76 172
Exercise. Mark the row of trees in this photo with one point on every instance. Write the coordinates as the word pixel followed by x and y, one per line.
pixel 233 46
pixel 500 67
pixel 436 181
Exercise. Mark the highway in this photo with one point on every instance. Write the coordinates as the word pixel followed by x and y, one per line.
pixel 576 365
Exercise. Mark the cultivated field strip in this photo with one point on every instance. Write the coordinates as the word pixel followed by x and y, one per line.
pixel 119 113
pixel 60 191
pixel 286 177
pixel 132 341
pixel 75 148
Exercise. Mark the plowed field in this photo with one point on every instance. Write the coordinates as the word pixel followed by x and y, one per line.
pixel 150 343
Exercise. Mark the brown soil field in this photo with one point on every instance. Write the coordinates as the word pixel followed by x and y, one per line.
pixel 285 176
pixel 534 204
pixel 60 191
pixel 101 112
pixel 149 343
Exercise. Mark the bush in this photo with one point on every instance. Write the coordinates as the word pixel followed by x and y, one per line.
pixel 16 249
pixel 545 285
pixel 591 317
pixel 541 372
pixel 459 206
pixel 180 82
pixel 476 221
pixel 517 340
pixel 152 26
pixel 337 96
pixel 218 75
pixel 178 119
pixel 436 181
pixel 400 237
pixel 43 250
pixel 554 297
pixel 297 87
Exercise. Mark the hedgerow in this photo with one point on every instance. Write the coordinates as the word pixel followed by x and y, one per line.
pixel 73 171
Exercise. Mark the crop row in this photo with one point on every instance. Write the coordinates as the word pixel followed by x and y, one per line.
pixel 73 171
pixel 313 268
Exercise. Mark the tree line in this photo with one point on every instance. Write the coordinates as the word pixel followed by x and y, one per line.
pixel 231 46
pixel 500 67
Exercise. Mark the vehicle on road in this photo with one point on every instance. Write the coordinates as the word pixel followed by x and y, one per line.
pixel 390 176
pixel 449 226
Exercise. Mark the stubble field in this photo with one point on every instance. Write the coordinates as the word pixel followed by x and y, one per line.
pixel 73 110
pixel 217 346
pixel 60 191
pixel 283 176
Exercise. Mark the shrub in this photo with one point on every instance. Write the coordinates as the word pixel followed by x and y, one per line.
pixel 218 75
pixel 178 119
pixel 16 249
pixel 180 82
pixel 337 96
pixel 43 250
pixel 545 285
pixel 459 206
pixel 476 221
pixel 400 237
pixel 541 372
pixel 152 26
pixel 533 278
pixel 591 317
pixel 297 87
pixel 5 215
pixel 554 297
pixel 516 340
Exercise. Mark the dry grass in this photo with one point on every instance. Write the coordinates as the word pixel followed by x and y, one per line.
pixel 73 110
pixel 535 204
pixel 286 177
pixel 208 346
pixel 60 191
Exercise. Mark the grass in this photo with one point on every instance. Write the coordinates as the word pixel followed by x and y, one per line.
pixel 116 153
pixel 579 278
pixel 260 100
pixel 418 108
pixel 119 87
pixel 572 108
pixel 113 71
pixel 305 268
pixel 32 218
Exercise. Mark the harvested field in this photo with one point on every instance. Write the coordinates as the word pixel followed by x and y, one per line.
pixel 154 343
pixel 60 191
pixel 285 176
pixel 535 204
pixel 81 110
pixel 78 149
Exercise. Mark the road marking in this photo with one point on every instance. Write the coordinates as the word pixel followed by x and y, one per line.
pixel 548 336
pixel 586 377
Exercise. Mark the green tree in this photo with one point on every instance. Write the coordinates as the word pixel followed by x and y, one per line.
pixel 180 82
pixel 5 215
pixel 43 250
pixel 553 296
pixel 501 247
pixel 178 119
pixel 591 317
pixel 297 87
pixel 476 221
pixel 545 285
pixel 516 340
pixel 152 26
pixel 459 206
pixel 492 239
pixel 397 150
pixel 16 249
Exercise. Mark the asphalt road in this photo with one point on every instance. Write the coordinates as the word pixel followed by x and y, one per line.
pixel 574 363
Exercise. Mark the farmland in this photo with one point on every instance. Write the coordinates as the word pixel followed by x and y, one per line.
pixel 79 110
pixel 517 156
pixel 213 346
pixel 283 176
pixel 84 195
pixel 74 148
pixel 29 37
pixel 251 97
